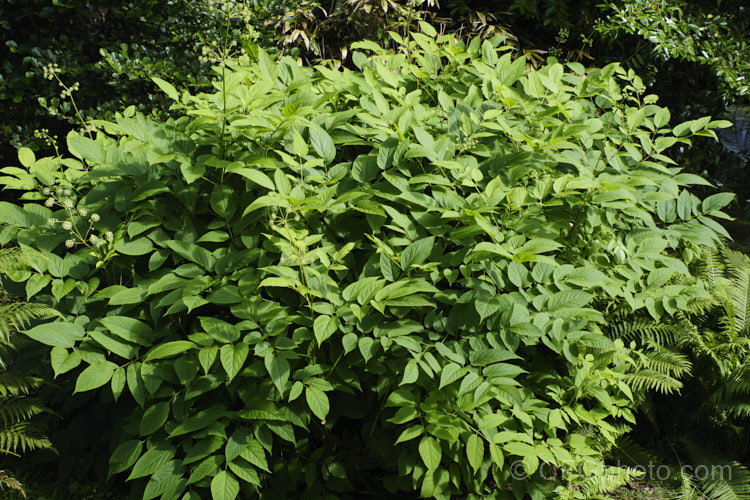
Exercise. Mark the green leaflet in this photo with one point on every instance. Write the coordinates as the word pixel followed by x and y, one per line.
pixel 56 334
pixel 224 486
pixel 233 357
pixel 318 402
pixel 95 375
pixel 169 349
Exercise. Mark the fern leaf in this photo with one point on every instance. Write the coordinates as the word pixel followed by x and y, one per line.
pixel 11 483
pixel 16 409
pixel 22 436
pixel 652 380
pixel 13 384
pixel 739 291
pixel 18 314
pixel 12 259
pixel 711 267
pixel 666 361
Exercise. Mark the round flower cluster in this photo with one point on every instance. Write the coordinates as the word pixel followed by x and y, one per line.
pixel 50 71
pixel 68 91
pixel 44 135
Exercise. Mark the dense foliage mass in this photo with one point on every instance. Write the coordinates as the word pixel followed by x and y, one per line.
pixel 693 54
pixel 319 282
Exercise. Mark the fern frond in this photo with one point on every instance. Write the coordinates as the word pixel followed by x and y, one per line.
pixel 666 361
pixel 739 291
pixel 652 380
pixel 22 436
pixel 711 268
pixel 16 409
pixel 631 453
pixel 18 314
pixel 12 259
pixel 643 329
pixel 11 483
pixel 13 384
pixel 700 305
pixel 688 489
pixel 608 480
pixel 727 481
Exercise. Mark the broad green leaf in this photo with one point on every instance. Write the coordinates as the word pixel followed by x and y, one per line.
pixel 416 253
pixel 26 157
pixel 169 349
pixel 587 277
pixel 85 148
pixel 206 468
pixel 154 418
pixel 278 368
pixel 222 201
pixel 114 344
pixel 118 381
pixel 128 296
pixel 233 357
pixel 207 356
pixel 298 143
pixel 323 327
pixel 317 400
pixel 151 461
pixel 140 246
pixel 254 453
pixel 451 373
pixel 256 176
pixel 411 373
pixel 412 432
pixel 224 486
pixel 63 361
pixel 220 330
pixel 36 283
pixel 475 451
pixel 539 245
pixel 129 329
pixel 124 456
pixel 430 451
pixel 95 375
pixel 245 471
pixel 322 143
pixel 167 88
pixel 716 202
pixel 200 420
pixel 202 448
pixel 166 480
pixel 192 252
pixel 58 333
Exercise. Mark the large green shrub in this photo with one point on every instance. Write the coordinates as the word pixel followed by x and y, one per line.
pixel 319 282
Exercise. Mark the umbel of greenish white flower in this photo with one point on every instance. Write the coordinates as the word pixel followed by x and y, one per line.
pixel 95 218
pixel 69 243
pixel 109 236
pixel 67 225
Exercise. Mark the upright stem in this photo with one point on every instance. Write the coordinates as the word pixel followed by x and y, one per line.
pixel 224 94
